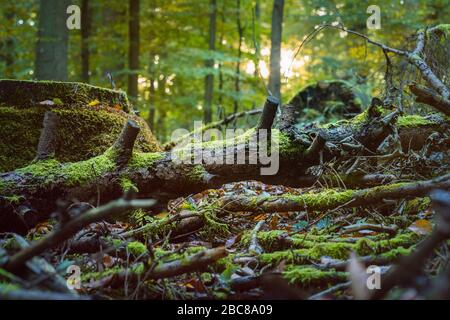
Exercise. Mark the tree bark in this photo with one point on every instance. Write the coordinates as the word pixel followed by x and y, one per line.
pixel 209 63
pixel 237 81
pixel 85 34
pixel 51 50
pixel 275 51
pixel 133 49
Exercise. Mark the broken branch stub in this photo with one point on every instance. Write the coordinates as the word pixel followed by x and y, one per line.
pixel 125 142
pixel 269 112
pixel 48 139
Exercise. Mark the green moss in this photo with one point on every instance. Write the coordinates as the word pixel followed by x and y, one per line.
pixel 285 145
pixel 330 249
pixel 42 169
pixel 83 172
pixel 266 239
pixel 321 199
pixel 308 276
pixel 22 93
pixel 213 227
pixel 197 174
pixel 136 248
pixel 127 185
pixel 394 254
pixel 157 226
pixel 57 101
pixel 414 206
pixel 14 199
pixel 314 251
pixel 144 160
pixel 83 133
pixel 411 121
pixel 93 276
pixel 297 256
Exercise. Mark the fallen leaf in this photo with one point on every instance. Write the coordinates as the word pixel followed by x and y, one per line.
pixel 93 103
pixel 161 215
pixel 274 222
pixel 260 217
pixel 421 227
pixel 108 261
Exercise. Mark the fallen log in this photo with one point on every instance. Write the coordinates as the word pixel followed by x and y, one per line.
pixel 330 199
pixel 178 172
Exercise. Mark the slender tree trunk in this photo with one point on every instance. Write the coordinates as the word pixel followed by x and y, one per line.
pixel 51 50
pixel 209 79
pixel 221 78
pixel 85 34
pixel 133 49
pixel 256 40
pixel 275 52
pixel 151 101
pixel 237 82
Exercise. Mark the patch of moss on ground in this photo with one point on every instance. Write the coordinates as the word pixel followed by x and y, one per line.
pixel 136 248
pixel 402 243
pixel 321 199
pixel 309 276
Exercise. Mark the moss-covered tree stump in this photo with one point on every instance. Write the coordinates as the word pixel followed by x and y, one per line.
pixel 90 118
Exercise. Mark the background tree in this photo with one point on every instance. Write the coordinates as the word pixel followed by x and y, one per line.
pixel 275 51
pixel 209 79
pixel 85 34
pixel 51 50
pixel 133 48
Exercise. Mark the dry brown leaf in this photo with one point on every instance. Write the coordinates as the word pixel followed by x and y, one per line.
pixel 421 227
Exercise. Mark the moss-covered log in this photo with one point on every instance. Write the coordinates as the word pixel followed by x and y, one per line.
pixel 41 183
pixel 331 198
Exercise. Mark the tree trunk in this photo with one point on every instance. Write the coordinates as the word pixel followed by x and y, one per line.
pixel 237 81
pixel 133 49
pixel 151 102
pixel 7 49
pixel 51 50
pixel 209 79
pixel 85 34
pixel 221 77
pixel 275 51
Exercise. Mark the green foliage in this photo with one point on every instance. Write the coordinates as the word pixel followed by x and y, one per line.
pixel 174 47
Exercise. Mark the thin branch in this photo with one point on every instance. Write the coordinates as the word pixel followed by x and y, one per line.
pixel 72 227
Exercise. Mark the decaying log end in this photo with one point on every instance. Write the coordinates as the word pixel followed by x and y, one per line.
pixel 269 112
pixel 48 139
pixel 125 142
